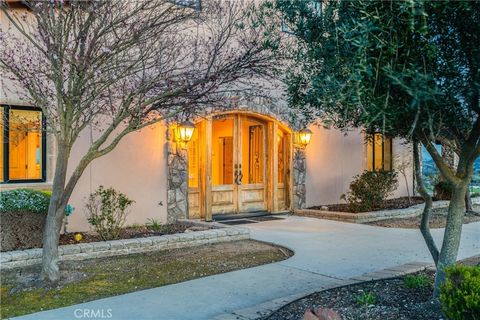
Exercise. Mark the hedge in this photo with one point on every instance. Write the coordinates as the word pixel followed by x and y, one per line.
pixel 22 200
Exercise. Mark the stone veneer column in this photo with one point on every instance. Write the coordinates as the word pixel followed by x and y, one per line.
pixel 299 176
pixel 177 184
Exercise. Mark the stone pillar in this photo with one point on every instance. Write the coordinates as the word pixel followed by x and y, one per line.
pixel 177 184
pixel 299 176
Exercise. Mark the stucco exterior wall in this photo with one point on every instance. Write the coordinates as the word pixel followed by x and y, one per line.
pixel 334 158
pixel 137 168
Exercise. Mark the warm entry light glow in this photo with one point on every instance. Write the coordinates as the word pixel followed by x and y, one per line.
pixel 304 136
pixel 185 131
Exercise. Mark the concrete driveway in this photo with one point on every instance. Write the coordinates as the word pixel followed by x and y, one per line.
pixel 344 250
pixel 325 253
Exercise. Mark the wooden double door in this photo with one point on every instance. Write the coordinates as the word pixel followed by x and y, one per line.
pixel 238 164
pixel 245 164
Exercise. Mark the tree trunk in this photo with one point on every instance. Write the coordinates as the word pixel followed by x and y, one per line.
pixel 56 213
pixel 452 235
pixel 468 202
pixel 408 188
pixel 427 210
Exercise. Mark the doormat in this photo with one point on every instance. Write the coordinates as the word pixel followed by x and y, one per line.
pixel 238 221
pixel 265 218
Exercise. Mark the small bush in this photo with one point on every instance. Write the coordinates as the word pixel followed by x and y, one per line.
pixel 366 299
pixel 107 210
pixel 460 294
pixel 443 190
pixel 24 200
pixel 369 189
pixel 416 281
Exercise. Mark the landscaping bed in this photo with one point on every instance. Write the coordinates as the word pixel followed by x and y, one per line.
pixel 438 219
pixel 30 235
pixel 408 297
pixel 389 204
pixel 133 232
pixel 86 280
pixel 387 215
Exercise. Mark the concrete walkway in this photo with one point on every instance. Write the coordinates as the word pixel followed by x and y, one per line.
pixel 325 253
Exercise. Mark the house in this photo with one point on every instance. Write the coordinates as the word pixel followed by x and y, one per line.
pixel 245 159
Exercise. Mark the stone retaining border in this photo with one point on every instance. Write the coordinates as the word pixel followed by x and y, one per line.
pixel 372 216
pixel 81 251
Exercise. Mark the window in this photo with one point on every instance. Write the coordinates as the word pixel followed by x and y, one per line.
pixel 22 151
pixel 193 4
pixel 379 152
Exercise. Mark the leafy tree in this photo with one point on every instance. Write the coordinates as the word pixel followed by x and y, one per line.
pixel 119 66
pixel 410 69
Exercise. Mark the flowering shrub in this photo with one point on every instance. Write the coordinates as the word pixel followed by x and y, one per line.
pixel 107 210
pixel 21 200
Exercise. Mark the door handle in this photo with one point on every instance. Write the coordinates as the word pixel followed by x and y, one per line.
pixel 240 175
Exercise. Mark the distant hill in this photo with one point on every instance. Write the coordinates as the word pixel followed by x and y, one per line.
pixel 429 166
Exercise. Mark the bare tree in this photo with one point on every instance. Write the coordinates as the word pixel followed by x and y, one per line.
pixel 119 66
pixel 403 164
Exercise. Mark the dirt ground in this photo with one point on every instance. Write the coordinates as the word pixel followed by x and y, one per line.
pixel 140 231
pixel 438 219
pixel 22 292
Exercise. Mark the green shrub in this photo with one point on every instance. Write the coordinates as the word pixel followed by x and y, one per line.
pixel 415 281
pixel 21 200
pixel 369 189
pixel 460 294
pixel 443 190
pixel 107 210
pixel 366 299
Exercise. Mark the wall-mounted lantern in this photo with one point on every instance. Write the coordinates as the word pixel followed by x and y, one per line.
pixel 185 131
pixel 304 136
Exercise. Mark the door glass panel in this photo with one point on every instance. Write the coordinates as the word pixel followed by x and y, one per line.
pixel 253 141
pixel 281 156
pixel 25 153
pixel 222 151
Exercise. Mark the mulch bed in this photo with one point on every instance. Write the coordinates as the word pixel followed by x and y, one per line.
pixel 394 300
pixel 131 232
pixel 438 219
pixel 397 203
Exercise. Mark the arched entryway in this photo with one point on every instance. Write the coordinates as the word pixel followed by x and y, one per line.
pixel 239 163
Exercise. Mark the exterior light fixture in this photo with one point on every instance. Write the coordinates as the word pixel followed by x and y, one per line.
pixel 304 137
pixel 185 131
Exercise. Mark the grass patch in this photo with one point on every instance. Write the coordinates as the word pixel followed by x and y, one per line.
pixel 366 299
pixel 98 278
pixel 415 281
